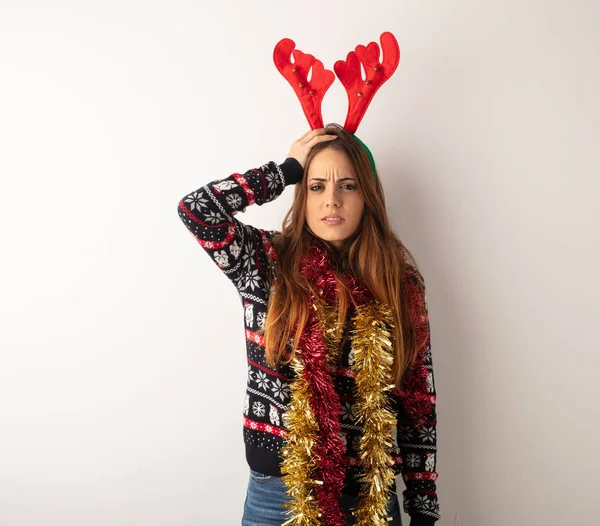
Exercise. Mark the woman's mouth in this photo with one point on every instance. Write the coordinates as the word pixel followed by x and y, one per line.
pixel 333 220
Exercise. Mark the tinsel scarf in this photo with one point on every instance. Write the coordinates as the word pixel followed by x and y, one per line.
pixel 312 468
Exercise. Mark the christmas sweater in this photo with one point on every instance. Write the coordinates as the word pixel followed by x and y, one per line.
pixel 246 255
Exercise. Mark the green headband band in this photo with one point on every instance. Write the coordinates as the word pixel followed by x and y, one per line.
pixel 368 153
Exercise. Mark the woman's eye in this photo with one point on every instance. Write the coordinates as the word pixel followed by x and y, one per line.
pixel 351 186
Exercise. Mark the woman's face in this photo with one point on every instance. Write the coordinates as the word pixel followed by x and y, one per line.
pixel 332 189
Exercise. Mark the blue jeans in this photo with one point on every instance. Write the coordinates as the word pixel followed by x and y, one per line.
pixel 266 493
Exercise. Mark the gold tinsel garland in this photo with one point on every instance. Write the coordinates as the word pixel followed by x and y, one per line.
pixel 373 361
pixel 372 366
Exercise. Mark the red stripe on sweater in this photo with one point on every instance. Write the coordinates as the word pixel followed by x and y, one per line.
pixel 263 426
pixel 345 371
pixel 258 339
pixel 241 180
pixel 420 475
pixel 267 370
pixel 280 432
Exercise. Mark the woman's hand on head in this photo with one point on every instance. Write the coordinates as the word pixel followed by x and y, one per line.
pixel 302 146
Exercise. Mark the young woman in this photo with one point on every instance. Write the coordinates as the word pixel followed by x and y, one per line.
pixel 340 394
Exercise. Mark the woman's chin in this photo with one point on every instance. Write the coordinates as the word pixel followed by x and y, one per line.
pixel 335 238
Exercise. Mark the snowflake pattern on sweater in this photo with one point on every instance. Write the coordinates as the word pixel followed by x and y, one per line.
pixel 245 254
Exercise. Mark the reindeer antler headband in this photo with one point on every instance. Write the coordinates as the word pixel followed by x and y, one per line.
pixel 360 92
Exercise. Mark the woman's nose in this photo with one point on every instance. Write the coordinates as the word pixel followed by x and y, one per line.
pixel 332 199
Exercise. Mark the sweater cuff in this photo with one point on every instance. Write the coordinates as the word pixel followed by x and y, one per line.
pixel 292 171
pixel 422 520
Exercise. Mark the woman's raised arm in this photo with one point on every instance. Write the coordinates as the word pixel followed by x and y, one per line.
pixel 208 213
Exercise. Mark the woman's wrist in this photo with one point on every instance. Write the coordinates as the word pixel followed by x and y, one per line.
pixel 292 171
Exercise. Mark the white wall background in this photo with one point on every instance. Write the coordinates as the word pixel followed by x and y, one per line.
pixel 119 335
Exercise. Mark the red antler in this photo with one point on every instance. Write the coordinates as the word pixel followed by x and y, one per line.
pixel 361 92
pixel 310 93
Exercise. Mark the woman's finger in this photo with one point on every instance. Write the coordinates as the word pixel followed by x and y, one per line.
pixel 320 138
pixel 312 133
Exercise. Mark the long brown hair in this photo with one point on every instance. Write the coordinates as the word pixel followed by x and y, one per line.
pixel 373 253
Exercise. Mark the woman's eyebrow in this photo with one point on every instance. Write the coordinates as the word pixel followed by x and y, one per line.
pixel 342 179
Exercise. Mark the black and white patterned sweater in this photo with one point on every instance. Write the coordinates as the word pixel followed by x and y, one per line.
pixel 245 255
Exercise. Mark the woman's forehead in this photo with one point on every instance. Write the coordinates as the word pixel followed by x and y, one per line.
pixel 330 163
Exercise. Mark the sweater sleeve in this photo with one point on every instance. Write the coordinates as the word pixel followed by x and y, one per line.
pixel 209 214
pixel 417 432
